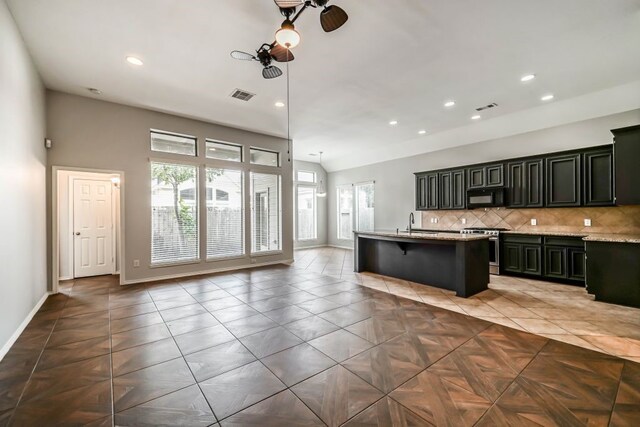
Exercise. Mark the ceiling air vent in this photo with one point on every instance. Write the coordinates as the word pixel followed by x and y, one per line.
pixel 486 107
pixel 242 95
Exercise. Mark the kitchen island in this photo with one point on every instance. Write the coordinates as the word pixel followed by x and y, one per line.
pixel 457 262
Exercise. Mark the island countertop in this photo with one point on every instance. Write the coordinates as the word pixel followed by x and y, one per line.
pixel 420 235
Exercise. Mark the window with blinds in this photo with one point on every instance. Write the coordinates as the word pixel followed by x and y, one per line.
pixel 306 213
pixel 225 213
pixel 174 213
pixel 345 212
pixel 364 198
pixel 265 212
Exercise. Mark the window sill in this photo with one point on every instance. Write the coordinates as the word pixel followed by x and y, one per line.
pixel 226 258
pixel 174 264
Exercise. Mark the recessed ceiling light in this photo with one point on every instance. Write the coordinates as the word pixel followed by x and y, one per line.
pixel 133 60
pixel 422 132
pixel 279 104
pixel 547 97
pixel 476 117
pixel 449 104
pixel 393 122
pixel 527 78
pixel 94 91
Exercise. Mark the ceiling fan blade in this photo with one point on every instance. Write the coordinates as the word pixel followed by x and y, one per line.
pixel 281 54
pixel 243 56
pixel 332 18
pixel 285 4
pixel 271 72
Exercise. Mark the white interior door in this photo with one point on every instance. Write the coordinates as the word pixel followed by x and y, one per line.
pixel 92 228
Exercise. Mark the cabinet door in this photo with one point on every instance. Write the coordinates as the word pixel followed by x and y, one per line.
pixel 515 185
pixel 512 260
pixel 458 189
pixel 534 183
pixel 494 176
pixel 563 180
pixel 598 178
pixel 555 262
pixel 421 192
pixel 475 177
pixel 532 260
pixel 626 147
pixel 445 201
pixel 577 266
pixel 432 191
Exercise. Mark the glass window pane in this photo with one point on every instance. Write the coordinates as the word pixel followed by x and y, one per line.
pixel 174 213
pixel 364 207
pixel 265 212
pixel 175 144
pixel 306 176
pixel 225 215
pixel 345 211
pixel 224 151
pixel 306 213
pixel 264 157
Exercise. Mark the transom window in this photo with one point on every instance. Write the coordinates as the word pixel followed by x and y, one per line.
pixel 172 143
pixel 224 151
pixel 260 156
pixel 304 176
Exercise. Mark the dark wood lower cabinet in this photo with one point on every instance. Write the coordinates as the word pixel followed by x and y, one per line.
pixel 613 272
pixel 554 258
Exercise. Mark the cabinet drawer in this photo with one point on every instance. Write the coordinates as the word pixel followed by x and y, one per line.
pixel 574 242
pixel 522 238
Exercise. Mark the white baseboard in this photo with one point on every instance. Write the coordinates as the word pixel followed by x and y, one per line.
pixel 299 248
pixel 201 272
pixel 60 279
pixel 341 247
pixel 7 346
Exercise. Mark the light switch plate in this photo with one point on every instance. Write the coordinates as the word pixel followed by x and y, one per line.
pixel 136 263
pixel 464 220
pixel 587 222
pixel 534 221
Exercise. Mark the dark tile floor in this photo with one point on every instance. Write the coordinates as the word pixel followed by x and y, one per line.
pixel 283 347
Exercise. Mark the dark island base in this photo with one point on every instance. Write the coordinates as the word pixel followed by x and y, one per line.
pixel 460 266
pixel 613 272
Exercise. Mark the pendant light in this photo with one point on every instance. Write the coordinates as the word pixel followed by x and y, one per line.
pixel 287 36
pixel 322 191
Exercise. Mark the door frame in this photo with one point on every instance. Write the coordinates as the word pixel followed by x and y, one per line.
pixel 55 232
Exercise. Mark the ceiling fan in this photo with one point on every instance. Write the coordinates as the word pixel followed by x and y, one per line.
pixel 331 18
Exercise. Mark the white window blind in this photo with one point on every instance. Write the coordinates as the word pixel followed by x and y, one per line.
pixel 364 198
pixel 306 213
pixel 265 212
pixel 345 212
pixel 225 213
pixel 174 213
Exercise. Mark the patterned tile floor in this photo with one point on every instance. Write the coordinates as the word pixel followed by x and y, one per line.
pixel 289 346
pixel 560 312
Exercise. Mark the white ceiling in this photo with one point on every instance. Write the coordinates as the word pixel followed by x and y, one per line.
pixel 397 59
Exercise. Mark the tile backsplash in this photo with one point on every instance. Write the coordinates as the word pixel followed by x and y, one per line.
pixel 615 219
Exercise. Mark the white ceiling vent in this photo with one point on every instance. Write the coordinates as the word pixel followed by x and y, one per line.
pixel 486 107
pixel 242 95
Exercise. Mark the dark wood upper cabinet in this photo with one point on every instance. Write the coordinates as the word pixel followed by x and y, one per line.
pixel 444 191
pixel 563 179
pixel 452 189
pixel 626 152
pixel 515 185
pixel 534 183
pixel 598 177
pixel 426 191
pixel 421 192
pixel 485 176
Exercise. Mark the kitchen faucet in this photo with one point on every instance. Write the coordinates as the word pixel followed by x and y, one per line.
pixel 411 221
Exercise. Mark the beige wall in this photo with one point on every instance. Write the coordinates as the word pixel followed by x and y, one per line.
pixel 23 260
pixel 614 219
pixel 89 133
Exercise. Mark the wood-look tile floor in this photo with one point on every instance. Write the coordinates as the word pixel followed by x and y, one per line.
pixel 286 346
pixel 563 313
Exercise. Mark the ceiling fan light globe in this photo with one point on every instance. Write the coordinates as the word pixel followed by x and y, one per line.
pixel 332 18
pixel 287 38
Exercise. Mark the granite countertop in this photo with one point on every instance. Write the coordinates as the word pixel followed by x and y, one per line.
pixel 587 237
pixel 420 235
pixel 614 238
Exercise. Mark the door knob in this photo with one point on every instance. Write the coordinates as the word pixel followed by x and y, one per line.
pixel 77 233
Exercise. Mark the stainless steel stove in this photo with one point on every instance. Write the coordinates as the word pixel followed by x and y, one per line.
pixel 494 245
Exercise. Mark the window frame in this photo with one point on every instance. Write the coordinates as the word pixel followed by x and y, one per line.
pixel 176 134
pixel 278 175
pixel 338 206
pixel 227 143
pixel 265 150
pixel 297 176
pixel 314 189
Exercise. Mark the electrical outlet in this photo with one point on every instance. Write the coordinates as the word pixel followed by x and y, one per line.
pixel 464 220
pixel 587 222
pixel 534 221
pixel 136 263
pixel 435 220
